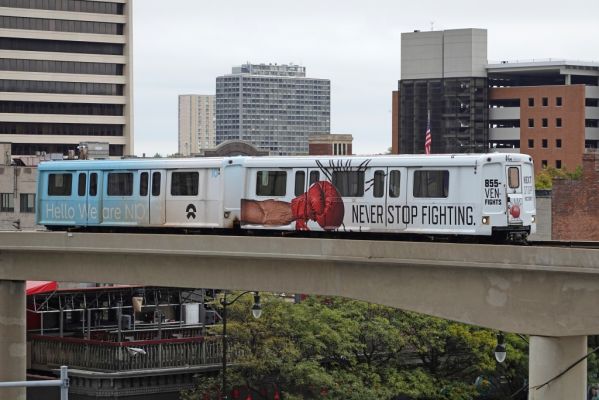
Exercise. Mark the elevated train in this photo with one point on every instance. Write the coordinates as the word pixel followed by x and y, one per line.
pixel 448 195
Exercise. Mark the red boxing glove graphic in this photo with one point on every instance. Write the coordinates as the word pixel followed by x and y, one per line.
pixel 321 203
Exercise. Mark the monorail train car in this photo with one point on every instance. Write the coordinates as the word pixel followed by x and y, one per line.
pixel 470 194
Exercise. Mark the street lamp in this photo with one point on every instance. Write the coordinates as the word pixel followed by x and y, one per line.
pixel 256 312
pixel 500 351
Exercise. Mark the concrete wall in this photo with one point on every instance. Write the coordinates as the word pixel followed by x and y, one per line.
pixel 16 181
pixel 444 54
pixel 543 216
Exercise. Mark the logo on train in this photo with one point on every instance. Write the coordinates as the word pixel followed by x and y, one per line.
pixel 191 211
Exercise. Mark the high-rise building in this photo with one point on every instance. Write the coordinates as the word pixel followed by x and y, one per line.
pixel 548 109
pixel 197 124
pixel 444 84
pixel 274 107
pixel 65 75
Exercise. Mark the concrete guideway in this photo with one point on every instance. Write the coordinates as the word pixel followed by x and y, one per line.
pixel 548 292
pixel 544 291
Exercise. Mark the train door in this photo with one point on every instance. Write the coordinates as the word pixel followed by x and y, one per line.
pixel 368 210
pixel 157 197
pixel 397 211
pixel 142 208
pixel 94 198
pixel 515 201
pixel 79 199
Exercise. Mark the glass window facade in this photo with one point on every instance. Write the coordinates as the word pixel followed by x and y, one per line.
pixel 41 128
pixel 60 25
pixel 458 112
pixel 276 110
pixel 65 67
pixel 99 7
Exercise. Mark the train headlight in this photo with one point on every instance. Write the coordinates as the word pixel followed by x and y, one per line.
pixel 486 220
pixel 533 219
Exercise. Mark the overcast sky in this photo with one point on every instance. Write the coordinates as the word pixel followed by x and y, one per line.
pixel 181 46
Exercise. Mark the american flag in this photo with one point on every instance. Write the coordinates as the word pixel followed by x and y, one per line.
pixel 428 140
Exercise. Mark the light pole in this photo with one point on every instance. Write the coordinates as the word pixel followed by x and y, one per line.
pixel 256 312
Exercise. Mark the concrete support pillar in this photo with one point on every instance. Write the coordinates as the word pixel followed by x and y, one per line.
pixel 549 357
pixel 13 348
pixel 568 79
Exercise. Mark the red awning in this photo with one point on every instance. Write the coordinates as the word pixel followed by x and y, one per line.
pixel 35 287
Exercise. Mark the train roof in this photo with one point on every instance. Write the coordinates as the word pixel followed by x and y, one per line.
pixel 286 161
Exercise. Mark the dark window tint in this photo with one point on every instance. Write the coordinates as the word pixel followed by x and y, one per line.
pixel 349 183
pixel 27 203
pixel 7 202
pixel 60 184
pixel 108 89
pixel 531 143
pixel 93 184
pixel 62 46
pixel 143 184
pixel 545 101
pixel 513 177
pixel 378 189
pixel 33 128
pixel 271 183
pixel 531 123
pixel 558 163
pixel 558 122
pixel 544 143
pixel 545 122
pixel 184 183
pixel 156 184
pixel 544 163
pixel 531 102
pixel 558 143
pixel 431 183
pixel 314 177
pixel 81 184
pixel 120 184
pixel 40 107
pixel 558 101
pixel 300 182
pixel 394 181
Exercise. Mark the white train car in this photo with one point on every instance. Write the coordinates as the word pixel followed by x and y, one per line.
pixel 477 194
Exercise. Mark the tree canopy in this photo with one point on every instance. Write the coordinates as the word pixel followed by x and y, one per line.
pixel 335 348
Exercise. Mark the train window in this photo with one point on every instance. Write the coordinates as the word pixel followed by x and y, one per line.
pixel 60 184
pixel 184 183
pixel 379 184
pixel 300 182
pixel 394 179
pixel 81 184
pixel 349 183
pixel 143 184
pixel 513 177
pixel 314 177
pixel 271 183
pixel 431 183
pixel 93 184
pixel 120 184
pixel 156 183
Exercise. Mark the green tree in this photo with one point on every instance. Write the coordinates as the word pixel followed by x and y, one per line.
pixel 335 348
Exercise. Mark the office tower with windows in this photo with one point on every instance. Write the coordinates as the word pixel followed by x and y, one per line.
pixel 444 84
pixel 65 75
pixel 197 124
pixel 274 107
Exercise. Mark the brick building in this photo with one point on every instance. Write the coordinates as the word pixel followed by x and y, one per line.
pixel 333 144
pixel 548 109
pixel 575 203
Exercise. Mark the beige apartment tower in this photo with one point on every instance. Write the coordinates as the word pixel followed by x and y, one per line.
pixel 197 124
pixel 65 75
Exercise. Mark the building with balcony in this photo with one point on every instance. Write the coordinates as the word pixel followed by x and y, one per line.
pixel 546 108
pixel 273 107
pixel 65 75
pixel 197 124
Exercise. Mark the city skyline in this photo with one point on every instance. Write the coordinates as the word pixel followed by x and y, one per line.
pixel 357 47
